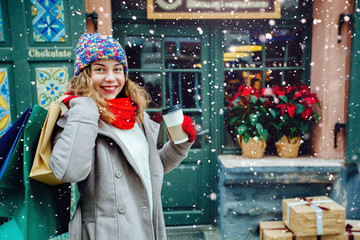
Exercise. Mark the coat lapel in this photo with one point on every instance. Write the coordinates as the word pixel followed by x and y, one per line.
pixel 105 129
pixel 151 130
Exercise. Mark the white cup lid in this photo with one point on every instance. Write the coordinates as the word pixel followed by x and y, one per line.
pixel 171 109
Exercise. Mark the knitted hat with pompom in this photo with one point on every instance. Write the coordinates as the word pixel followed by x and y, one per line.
pixel 94 46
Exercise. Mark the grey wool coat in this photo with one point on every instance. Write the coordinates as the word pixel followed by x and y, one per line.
pixel 114 203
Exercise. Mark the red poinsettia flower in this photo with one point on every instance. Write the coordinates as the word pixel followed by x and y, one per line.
pixel 242 94
pixel 303 90
pixel 290 89
pixel 246 91
pixel 306 113
pixel 290 107
pixel 279 91
pixel 311 99
pixel 268 104
pixel 256 92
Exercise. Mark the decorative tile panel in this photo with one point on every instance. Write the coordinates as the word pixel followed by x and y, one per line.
pixel 1 25
pixel 64 236
pixel 48 20
pixel 51 83
pixel 5 120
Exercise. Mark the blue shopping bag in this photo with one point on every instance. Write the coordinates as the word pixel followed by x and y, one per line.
pixel 9 140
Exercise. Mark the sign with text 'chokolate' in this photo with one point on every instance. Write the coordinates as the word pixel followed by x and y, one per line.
pixel 213 9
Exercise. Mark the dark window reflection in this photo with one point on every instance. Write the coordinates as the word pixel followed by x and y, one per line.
pixel 182 53
pixel 152 83
pixel 143 53
pixel 283 48
pixel 184 89
pixel 242 49
pixel 287 77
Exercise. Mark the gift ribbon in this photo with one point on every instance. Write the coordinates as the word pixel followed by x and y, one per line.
pixel 284 228
pixel 293 234
pixel 313 205
pixel 349 231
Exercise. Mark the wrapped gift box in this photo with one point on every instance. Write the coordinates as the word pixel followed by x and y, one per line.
pixel 276 230
pixel 313 216
pixel 352 232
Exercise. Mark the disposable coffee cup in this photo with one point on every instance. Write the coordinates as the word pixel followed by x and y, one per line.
pixel 174 117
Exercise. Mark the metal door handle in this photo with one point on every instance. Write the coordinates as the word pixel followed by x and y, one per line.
pixel 202 132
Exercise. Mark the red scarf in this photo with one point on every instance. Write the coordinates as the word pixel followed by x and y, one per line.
pixel 124 112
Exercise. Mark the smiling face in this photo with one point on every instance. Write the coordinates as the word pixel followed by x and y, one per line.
pixel 108 77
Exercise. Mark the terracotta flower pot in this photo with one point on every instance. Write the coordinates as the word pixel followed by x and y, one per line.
pixel 254 148
pixel 288 148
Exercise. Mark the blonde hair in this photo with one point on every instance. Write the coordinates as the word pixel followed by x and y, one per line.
pixel 82 85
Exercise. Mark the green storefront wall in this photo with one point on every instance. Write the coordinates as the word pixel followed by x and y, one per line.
pixel 353 121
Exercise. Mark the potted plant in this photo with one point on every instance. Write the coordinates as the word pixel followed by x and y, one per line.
pixel 295 117
pixel 248 115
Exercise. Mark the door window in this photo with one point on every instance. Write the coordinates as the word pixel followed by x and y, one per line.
pixel 170 70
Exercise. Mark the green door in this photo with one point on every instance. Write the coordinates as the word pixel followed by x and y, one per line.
pixel 353 121
pixel 172 62
pixel 37 40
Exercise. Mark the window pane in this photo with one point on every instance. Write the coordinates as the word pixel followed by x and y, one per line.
pixel 184 89
pixel 229 136
pixel 182 53
pixel 152 83
pixel 143 53
pixel 288 77
pixel 283 48
pixel 242 49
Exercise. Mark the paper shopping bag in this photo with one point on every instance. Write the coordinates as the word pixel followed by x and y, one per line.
pixel 40 170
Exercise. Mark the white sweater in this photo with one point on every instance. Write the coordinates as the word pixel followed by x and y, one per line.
pixel 135 141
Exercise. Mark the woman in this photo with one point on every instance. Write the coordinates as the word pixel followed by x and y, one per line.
pixel 106 143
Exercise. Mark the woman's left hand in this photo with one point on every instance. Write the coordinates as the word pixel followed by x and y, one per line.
pixel 189 129
pixel 67 100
